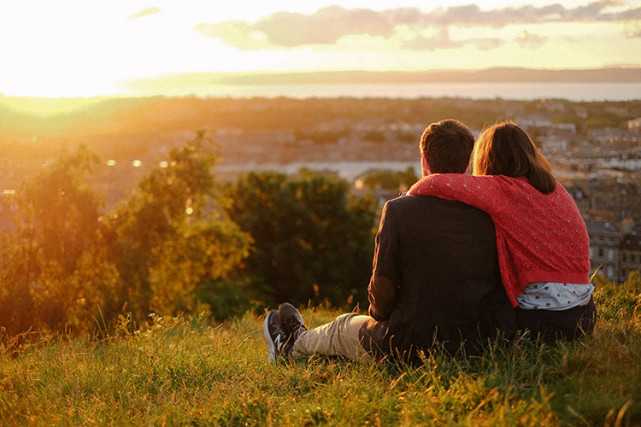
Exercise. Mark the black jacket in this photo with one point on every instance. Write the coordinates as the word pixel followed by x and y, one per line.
pixel 435 280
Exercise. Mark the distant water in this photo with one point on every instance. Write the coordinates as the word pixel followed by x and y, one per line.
pixel 511 91
pixel 347 170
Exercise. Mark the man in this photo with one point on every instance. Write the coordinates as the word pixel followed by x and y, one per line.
pixel 435 283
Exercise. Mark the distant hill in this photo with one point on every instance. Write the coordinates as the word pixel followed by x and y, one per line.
pixel 603 75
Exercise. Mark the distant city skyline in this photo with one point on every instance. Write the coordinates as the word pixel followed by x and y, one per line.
pixel 87 48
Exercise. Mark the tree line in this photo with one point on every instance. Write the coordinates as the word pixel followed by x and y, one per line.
pixel 181 242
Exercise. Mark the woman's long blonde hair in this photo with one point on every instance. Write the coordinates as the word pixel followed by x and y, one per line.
pixel 506 149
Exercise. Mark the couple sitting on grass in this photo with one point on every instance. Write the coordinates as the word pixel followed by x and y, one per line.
pixel 463 260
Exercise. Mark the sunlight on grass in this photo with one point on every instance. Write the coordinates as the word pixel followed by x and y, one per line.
pixel 182 371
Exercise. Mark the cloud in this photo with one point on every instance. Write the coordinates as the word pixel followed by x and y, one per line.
pixel 631 29
pixel 143 13
pixel 530 41
pixel 239 34
pixel 442 40
pixel 324 27
pixel 284 30
pixel 598 11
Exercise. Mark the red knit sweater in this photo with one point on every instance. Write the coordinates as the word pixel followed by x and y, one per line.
pixel 539 237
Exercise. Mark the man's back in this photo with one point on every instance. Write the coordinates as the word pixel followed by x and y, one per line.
pixel 440 258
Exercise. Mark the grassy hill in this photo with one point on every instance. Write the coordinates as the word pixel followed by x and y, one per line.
pixel 186 371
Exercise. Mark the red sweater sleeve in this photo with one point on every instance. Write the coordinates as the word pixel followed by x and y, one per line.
pixel 476 191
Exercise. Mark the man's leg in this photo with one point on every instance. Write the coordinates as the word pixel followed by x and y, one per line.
pixel 337 338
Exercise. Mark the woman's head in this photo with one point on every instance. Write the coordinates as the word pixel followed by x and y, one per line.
pixel 506 149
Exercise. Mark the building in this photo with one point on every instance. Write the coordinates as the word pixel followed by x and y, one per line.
pixel 533 121
pixel 554 144
pixel 605 242
pixel 634 125
pixel 580 197
pixel 624 161
pixel 630 255
pixel 613 252
pixel 542 126
pixel 617 200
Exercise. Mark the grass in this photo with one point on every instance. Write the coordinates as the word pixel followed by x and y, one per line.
pixel 187 371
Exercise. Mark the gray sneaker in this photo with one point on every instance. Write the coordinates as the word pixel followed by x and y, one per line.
pixel 292 321
pixel 275 336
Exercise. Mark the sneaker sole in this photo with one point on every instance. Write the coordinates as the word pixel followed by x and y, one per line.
pixel 271 347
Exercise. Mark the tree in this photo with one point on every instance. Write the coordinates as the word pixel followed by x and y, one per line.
pixel 390 180
pixel 59 211
pixel 170 235
pixel 311 240
pixel 54 273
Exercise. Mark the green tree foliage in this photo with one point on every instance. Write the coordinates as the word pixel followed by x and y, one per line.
pixel 169 235
pixel 177 241
pixel 311 240
pixel 69 267
pixel 16 302
pixel 202 252
pixel 54 273
pixel 58 209
pixel 389 180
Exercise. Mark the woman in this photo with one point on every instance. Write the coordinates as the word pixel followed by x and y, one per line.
pixel 542 241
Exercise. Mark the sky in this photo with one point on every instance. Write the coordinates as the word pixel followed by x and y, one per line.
pixel 66 48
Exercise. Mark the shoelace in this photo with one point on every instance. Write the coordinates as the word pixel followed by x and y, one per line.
pixel 293 324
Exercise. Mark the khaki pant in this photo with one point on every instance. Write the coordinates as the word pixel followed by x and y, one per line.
pixel 337 338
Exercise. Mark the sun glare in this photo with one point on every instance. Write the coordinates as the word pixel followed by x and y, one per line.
pixel 45 107
pixel 80 50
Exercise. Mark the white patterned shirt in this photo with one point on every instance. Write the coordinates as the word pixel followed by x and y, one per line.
pixel 554 296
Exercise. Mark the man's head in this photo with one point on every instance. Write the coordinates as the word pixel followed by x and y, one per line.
pixel 446 147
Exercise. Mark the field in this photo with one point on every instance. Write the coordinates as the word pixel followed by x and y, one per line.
pixel 181 371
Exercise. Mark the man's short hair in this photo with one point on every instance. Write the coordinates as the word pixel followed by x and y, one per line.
pixel 447 146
